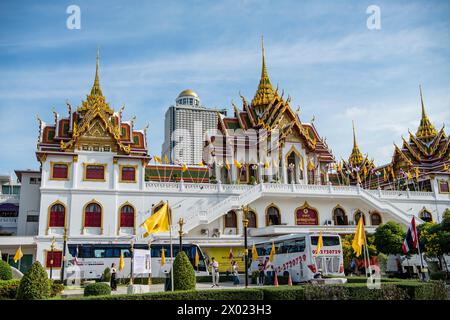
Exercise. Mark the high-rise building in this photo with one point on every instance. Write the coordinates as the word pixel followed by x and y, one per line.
pixel 185 125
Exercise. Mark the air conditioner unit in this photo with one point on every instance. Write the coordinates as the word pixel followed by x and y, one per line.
pixel 329 222
pixel 204 232
pixel 351 222
pixel 216 233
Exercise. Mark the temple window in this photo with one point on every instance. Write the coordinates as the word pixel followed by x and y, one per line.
pixel 273 216
pixel 375 219
pixel 127 216
pixel 59 171
pixel 443 186
pixel 339 217
pixel 231 219
pixel 425 215
pixel 106 148
pixel 358 216
pixel 136 140
pixel 53 259
pixel 252 220
pixel 57 216
pixel 127 174
pixel 94 172
pixel 93 216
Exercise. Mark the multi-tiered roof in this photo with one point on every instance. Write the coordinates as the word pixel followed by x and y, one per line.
pixel 93 126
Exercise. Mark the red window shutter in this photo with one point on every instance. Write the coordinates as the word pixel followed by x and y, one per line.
pixel 127 217
pixel 95 172
pixel 93 216
pixel 57 216
pixel 128 174
pixel 54 259
pixel 60 171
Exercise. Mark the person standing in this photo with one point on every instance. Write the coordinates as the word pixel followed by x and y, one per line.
pixel 235 273
pixel 215 272
pixel 261 274
pixel 113 277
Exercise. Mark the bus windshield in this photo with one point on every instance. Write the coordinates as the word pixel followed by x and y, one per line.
pixel 327 241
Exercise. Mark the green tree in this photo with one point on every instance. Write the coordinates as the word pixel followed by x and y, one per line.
pixel 389 237
pixel 183 273
pixel 5 271
pixel 35 284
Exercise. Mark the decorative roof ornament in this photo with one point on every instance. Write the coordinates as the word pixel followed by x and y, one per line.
pixel 426 130
pixel 264 94
pixel 356 157
pixel 96 90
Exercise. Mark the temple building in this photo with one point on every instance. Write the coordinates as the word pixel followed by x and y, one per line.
pixel 97 182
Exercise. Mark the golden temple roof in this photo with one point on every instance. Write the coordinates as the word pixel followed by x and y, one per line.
pixel 96 90
pixel 265 93
pixel 426 130
pixel 188 92
pixel 356 157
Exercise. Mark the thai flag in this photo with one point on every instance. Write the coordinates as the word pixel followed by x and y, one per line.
pixel 75 259
pixel 411 240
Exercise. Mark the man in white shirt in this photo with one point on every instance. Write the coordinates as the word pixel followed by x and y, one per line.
pixel 215 272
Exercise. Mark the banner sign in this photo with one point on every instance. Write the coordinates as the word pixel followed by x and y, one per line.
pixel 141 262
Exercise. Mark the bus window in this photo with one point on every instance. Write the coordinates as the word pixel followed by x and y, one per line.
pixel 126 253
pixel 112 253
pixel 300 244
pixel 85 252
pixel 327 241
pixel 99 253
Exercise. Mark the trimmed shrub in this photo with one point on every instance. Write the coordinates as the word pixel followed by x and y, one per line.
pixel 106 277
pixel 97 289
pixel 34 285
pixel 438 275
pixel 8 289
pixel 326 292
pixel 284 293
pixel 433 290
pixel 5 271
pixel 387 291
pixel 224 294
pixel 56 288
pixel 183 273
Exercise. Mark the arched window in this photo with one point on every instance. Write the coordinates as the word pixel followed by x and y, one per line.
pixel 375 219
pixel 127 216
pixel 231 219
pixel 273 216
pixel 358 216
pixel 425 215
pixel 252 222
pixel 93 216
pixel 339 217
pixel 57 216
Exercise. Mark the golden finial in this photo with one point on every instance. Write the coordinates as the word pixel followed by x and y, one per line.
pixel 354 135
pixel 265 93
pixel 96 90
pixel 356 157
pixel 426 130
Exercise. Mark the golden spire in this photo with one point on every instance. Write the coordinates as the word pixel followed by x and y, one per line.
pixel 356 158
pixel 265 93
pixel 96 90
pixel 426 130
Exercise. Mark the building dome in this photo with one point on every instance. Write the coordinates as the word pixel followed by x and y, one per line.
pixel 188 97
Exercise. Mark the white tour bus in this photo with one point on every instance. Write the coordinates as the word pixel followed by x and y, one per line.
pixel 93 259
pixel 295 254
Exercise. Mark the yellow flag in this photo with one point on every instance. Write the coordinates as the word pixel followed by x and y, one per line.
pixel 121 262
pixel 365 171
pixel 272 252
pixel 158 222
pixel 237 164
pixel 18 254
pixel 254 253
pixel 201 164
pixel 310 165
pixel 393 173
pixel 409 176
pixel 157 159
pixel 166 159
pixel 227 165
pixel 319 244
pixel 339 167
pixel 417 171
pixel 385 177
pixel 266 165
pixel 196 258
pixel 163 257
pixel 184 169
pixel 358 241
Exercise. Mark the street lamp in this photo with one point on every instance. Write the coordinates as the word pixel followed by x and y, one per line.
pixel 180 233
pixel 52 248
pixel 245 224
pixel 64 255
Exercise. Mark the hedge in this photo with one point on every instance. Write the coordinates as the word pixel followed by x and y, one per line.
pixel 97 289
pixel 225 294
pixel 8 289
pixel 5 270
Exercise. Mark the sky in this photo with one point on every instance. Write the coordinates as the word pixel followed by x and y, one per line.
pixel 321 53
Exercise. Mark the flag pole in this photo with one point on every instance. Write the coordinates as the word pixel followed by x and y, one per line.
pixel 171 245
pixel 150 272
pixel 420 254
pixel 367 250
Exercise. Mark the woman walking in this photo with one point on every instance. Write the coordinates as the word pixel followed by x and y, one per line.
pixel 235 273
pixel 113 277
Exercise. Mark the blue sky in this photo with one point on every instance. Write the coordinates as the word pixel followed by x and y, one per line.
pixel 320 52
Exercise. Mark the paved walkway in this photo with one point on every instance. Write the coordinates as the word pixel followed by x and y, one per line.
pixel 122 289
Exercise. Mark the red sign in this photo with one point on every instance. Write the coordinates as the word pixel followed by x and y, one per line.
pixel 307 216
